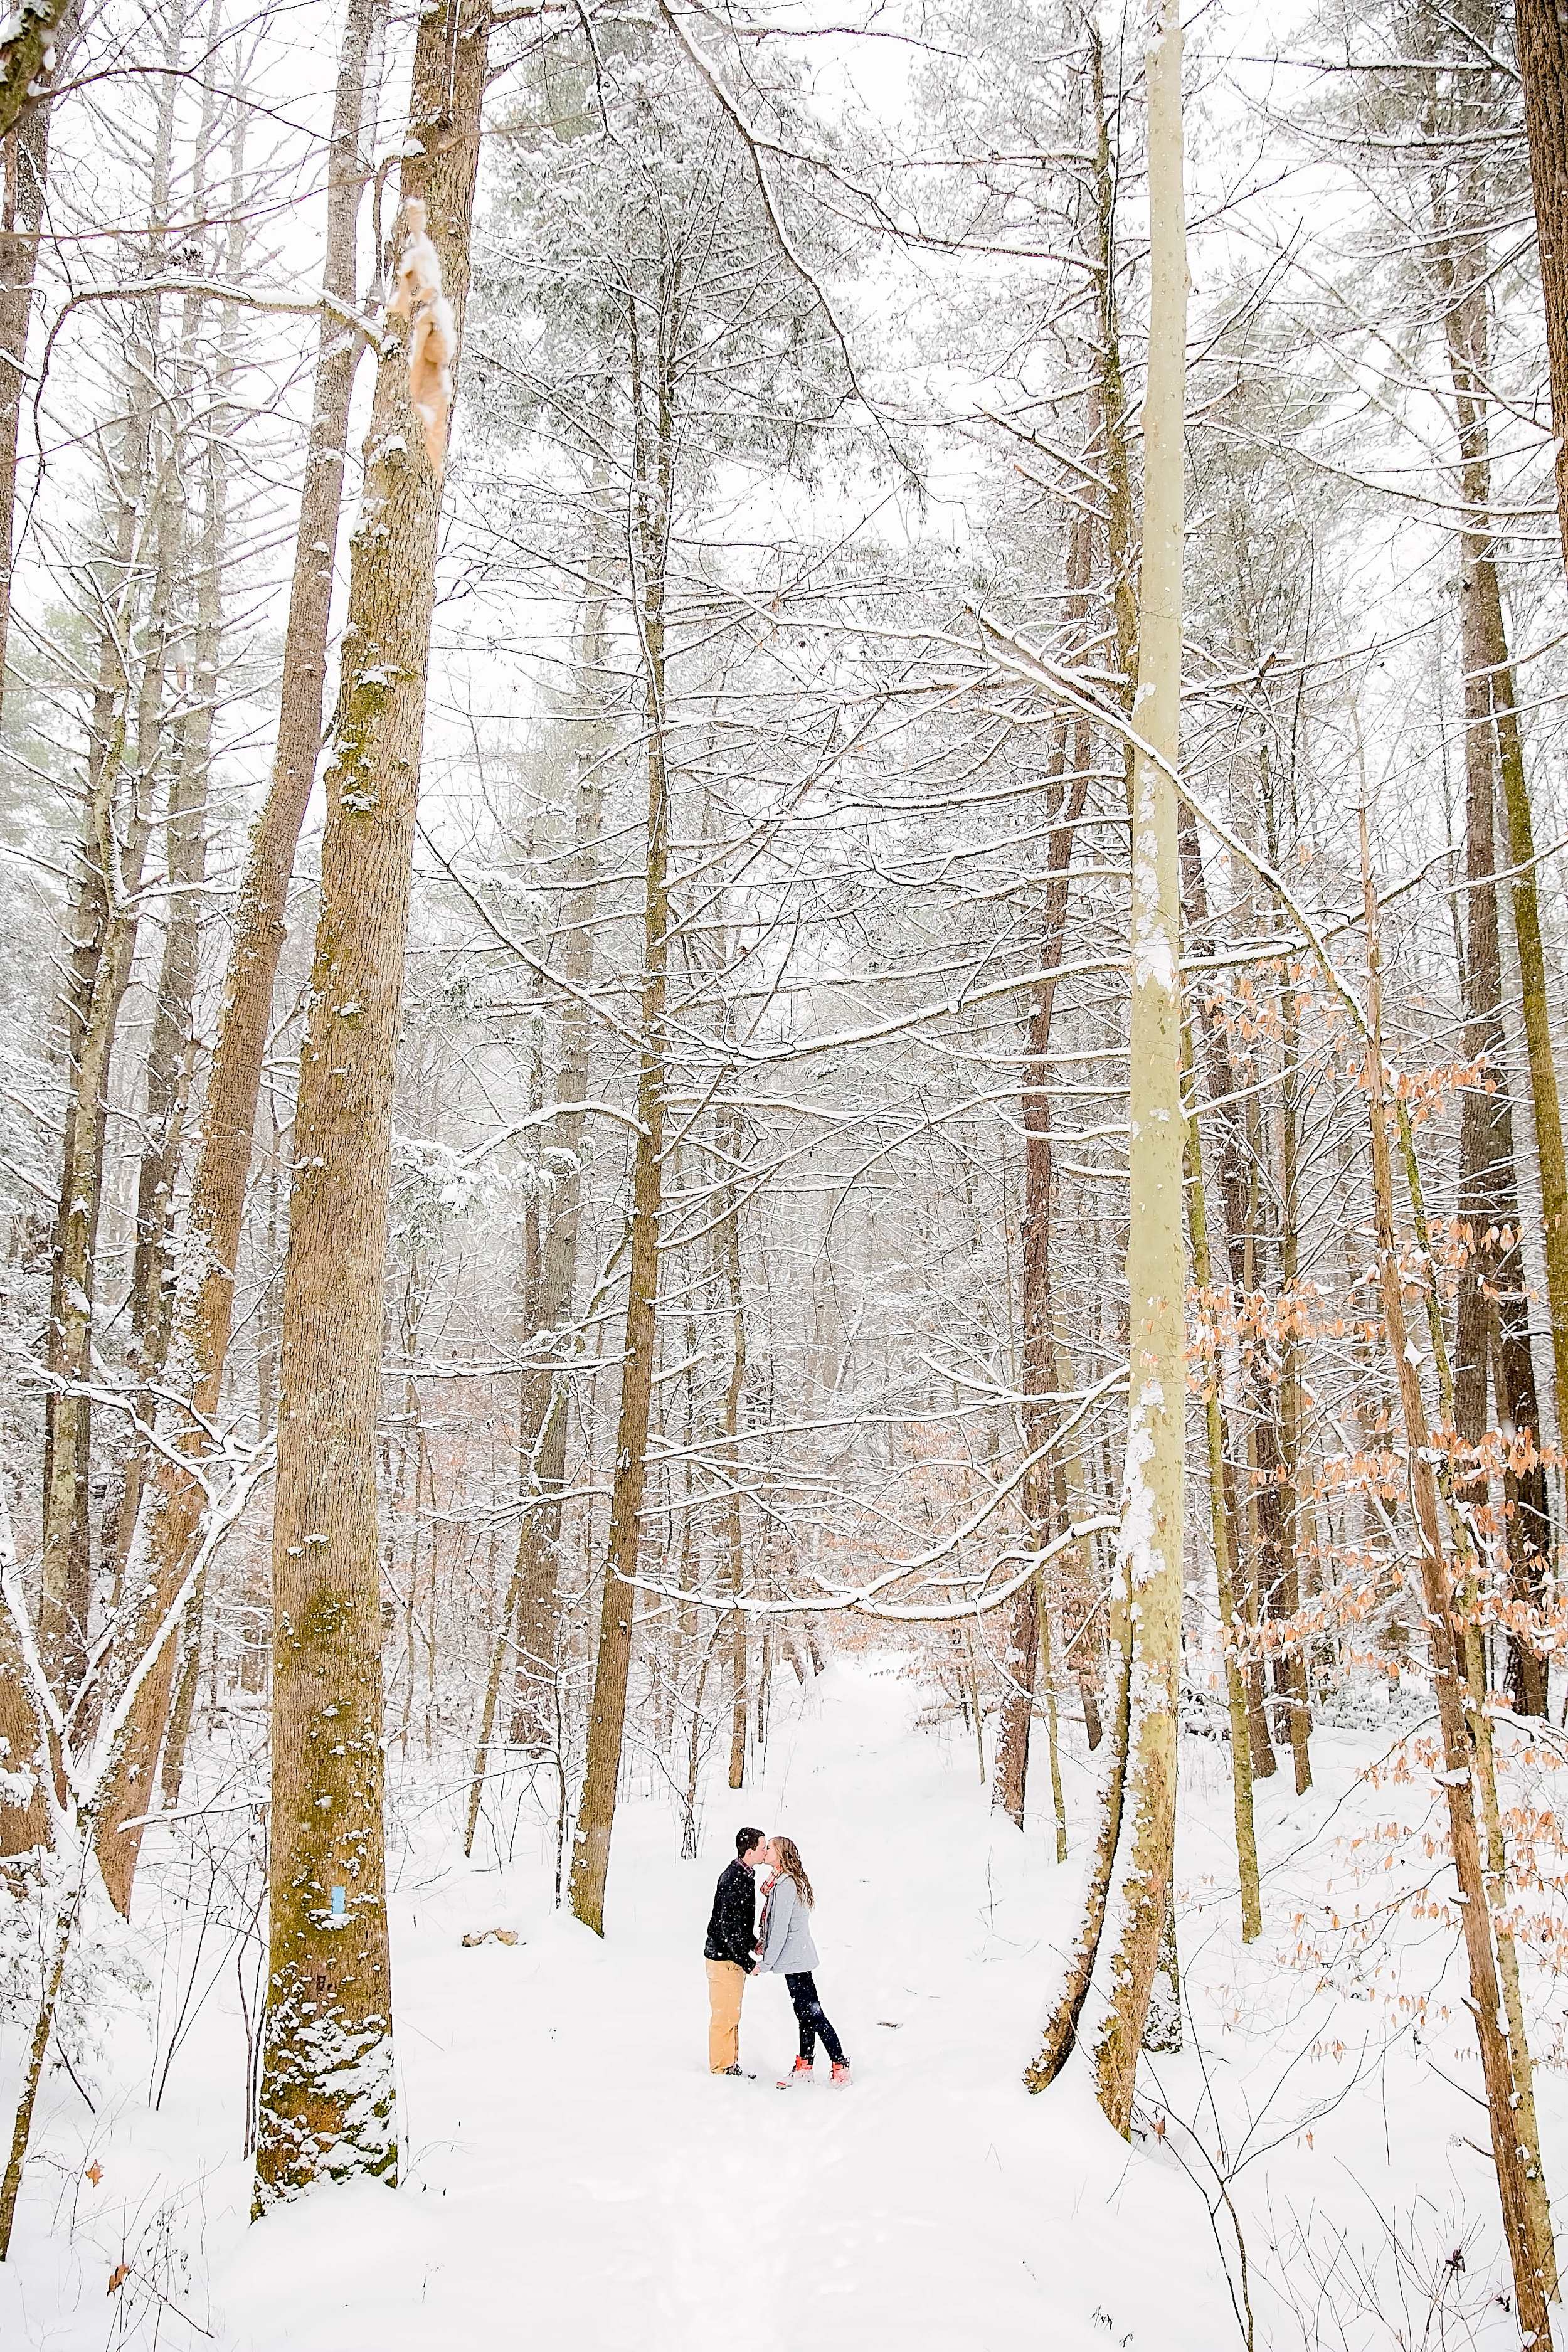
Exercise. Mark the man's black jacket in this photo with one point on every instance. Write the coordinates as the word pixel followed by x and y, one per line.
pixel 730 1933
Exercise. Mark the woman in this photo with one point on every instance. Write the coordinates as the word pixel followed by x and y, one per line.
pixel 785 1948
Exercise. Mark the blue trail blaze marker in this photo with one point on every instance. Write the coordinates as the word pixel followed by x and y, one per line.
pixel 340 1903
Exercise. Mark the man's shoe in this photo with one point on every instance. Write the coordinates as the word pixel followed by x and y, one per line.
pixel 801 2071
pixel 841 2074
pixel 740 2071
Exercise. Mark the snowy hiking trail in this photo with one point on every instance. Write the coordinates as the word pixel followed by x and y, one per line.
pixel 575 2176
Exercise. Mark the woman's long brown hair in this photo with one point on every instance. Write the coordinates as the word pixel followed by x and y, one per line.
pixel 791 1866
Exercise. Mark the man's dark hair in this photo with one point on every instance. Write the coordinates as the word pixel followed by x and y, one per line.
pixel 745 1839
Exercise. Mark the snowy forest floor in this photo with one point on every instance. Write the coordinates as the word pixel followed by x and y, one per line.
pixel 574 2175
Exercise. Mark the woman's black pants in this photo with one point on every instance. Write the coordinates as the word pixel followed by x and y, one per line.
pixel 812 2018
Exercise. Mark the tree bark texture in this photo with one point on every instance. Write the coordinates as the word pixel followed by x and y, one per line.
pixel 1540 34
pixel 27 179
pixel 327 2100
pixel 27 58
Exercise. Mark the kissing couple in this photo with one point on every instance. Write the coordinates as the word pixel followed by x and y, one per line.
pixel 741 1944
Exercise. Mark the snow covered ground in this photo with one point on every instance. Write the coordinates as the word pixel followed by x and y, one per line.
pixel 575 2175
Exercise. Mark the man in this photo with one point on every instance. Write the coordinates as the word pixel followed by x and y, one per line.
pixel 728 1951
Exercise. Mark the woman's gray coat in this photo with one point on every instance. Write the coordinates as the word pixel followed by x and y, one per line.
pixel 789 1950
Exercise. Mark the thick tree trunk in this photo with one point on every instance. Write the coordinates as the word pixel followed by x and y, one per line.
pixel 1540 34
pixel 171 1503
pixel 26 167
pixel 326 2105
pixel 30 34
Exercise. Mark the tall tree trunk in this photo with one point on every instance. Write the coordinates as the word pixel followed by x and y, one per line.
pixel 528 1630
pixel 1113 1963
pixel 1544 1098
pixel 1529 2261
pixel 172 1502
pixel 26 153
pixel 1151 1527
pixel 327 2097
pixel 1492 1330
pixel 1540 34
pixel 607 1708
pixel 1543 56
pixel 1041 1416
pixel 170 1048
